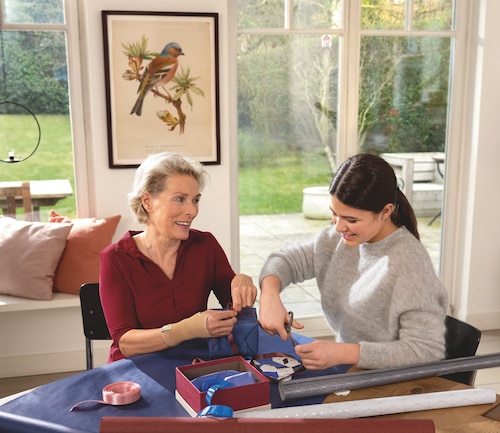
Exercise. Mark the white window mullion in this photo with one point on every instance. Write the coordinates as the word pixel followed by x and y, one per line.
pixel 77 108
pixel 410 9
pixel 288 14
pixel 457 210
pixel 349 81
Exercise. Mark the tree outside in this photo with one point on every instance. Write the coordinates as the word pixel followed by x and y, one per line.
pixel 34 63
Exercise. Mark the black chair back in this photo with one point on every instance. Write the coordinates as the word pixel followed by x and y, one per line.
pixel 94 322
pixel 462 340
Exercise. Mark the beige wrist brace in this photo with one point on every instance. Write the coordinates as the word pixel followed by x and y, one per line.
pixel 187 329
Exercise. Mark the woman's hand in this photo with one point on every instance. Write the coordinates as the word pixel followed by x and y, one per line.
pixel 272 313
pixel 243 292
pixel 321 354
pixel 220 322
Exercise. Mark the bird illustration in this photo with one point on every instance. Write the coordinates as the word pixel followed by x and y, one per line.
pixel 158 72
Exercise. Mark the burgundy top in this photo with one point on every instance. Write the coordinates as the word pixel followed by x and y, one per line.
pixel 136 293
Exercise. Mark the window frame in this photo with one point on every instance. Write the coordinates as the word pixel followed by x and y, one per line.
pixel 350 34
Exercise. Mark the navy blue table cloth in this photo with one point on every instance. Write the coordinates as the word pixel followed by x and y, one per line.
pixel 155 373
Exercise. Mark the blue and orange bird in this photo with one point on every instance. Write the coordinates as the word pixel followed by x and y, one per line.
pixel 159 71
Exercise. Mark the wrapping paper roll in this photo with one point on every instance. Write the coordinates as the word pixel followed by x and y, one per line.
pixel 380 406
pixel 300 388
pixel 11 423
pixel 121 424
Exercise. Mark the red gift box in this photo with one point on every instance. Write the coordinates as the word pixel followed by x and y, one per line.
pixel 255 395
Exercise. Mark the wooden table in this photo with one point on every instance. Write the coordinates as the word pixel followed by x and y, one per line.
pixel 43 193
pixel 467 419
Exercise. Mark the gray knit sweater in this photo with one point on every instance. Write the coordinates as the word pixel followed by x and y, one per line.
pixel 385 295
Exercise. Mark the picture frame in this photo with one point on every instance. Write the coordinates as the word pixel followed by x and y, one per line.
pixel 162 85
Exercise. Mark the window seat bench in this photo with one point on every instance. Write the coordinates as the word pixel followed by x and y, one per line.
pixel 59 300
pixel 43 337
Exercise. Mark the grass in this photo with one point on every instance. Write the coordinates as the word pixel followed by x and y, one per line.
pixel 276 186
pixel 271 178
pixel 52 160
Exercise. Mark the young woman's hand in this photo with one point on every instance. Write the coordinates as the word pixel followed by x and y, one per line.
pixel 272 313
pixel 321 354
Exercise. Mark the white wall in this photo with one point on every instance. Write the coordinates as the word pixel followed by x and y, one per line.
pixel 472 240
pixel 108 188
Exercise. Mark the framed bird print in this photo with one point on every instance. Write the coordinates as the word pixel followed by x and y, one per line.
pixel 162 85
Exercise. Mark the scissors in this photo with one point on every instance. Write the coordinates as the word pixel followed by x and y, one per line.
pixel 288 329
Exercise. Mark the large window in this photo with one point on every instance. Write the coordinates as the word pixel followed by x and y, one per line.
pixel 302 63
pixel 34 76
pixel 321 80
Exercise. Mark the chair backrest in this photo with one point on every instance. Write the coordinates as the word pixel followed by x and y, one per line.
pixel 94 322
pixel 462 340
pixel 11 194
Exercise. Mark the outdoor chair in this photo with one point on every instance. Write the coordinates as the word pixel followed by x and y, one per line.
pixel 13 192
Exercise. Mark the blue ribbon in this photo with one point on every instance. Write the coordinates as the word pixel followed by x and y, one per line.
pixel 211 391
pixel 220 380
pixel 216 410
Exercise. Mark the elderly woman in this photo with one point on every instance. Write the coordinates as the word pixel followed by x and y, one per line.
pixel 155 284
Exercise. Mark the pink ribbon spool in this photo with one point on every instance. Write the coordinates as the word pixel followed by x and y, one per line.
pixel 116 394
pixel 120 393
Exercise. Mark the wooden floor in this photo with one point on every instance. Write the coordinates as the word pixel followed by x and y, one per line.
pixel 13 385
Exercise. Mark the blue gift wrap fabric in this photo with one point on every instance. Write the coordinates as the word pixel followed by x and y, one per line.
pixel 245 337
pixel 155 373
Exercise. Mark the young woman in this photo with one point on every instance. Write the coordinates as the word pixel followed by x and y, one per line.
pixel 379 290
pixel 155 284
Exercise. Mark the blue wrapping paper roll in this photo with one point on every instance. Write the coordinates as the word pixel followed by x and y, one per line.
pixel 307 387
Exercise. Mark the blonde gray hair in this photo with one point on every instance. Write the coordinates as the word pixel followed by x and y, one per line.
pixel 151 176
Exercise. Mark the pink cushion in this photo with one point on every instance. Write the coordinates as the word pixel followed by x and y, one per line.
pixel 29 254
pixel 79 263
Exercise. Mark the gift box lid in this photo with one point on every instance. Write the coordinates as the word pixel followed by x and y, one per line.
pixel 238 397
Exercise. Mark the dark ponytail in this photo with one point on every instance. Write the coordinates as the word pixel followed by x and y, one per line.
pixel 368 182
pixel 403 215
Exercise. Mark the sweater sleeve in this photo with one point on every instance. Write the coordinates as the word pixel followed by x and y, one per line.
pixel 291 264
